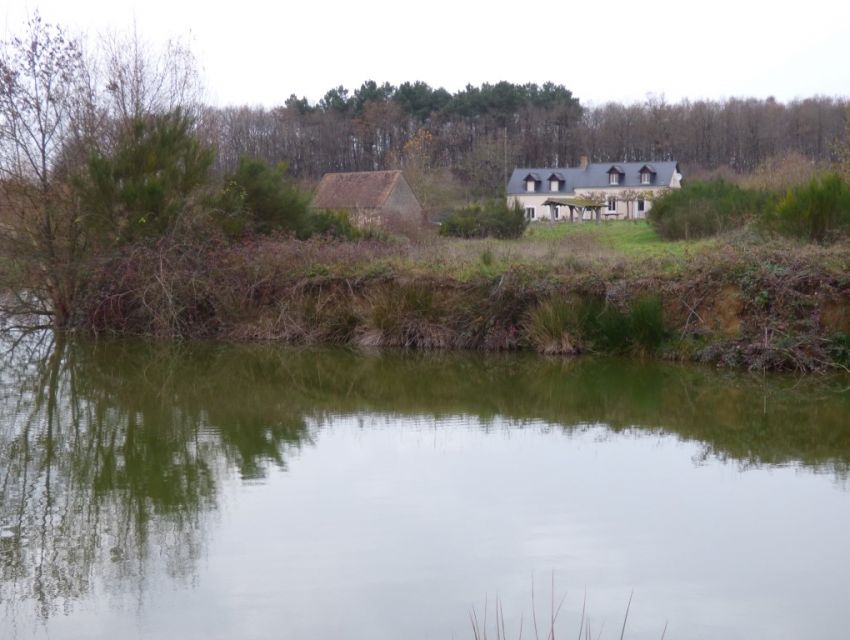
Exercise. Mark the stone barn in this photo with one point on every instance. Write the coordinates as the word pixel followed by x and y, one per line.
pixel 369 197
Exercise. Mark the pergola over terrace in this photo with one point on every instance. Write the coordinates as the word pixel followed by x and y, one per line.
pixel 580 205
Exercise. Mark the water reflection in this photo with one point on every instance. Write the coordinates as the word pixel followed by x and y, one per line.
pixel 111 458
pixel 113 455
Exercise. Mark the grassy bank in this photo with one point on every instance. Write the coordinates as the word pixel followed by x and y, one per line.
pixel 611 288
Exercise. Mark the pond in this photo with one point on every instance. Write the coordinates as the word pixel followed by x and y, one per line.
pixel 208 491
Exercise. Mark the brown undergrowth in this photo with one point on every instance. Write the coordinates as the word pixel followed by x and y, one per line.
pixel 777 307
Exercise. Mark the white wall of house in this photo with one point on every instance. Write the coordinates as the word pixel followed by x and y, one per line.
pixel 535 202
pixel 676 181
pixel 542 212
pixel 626 204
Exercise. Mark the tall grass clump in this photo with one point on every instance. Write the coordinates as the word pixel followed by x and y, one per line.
pixel 838 347
pixel 817 211
pixel 487 257
pixel 646 320
pixel 564 326
pixel 608 328
pixel 491 219
pixel 553 327
pixel 640 328
pixel 704 209
pixel 412 316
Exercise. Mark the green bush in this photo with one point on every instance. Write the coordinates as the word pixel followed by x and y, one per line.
pixel 493 218
pixel 815 211
pixel 141 188
pixel 334 224
pixel 704 209
pixel 259 198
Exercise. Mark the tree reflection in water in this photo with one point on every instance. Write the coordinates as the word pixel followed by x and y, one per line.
pixel 113 455
pixel 104 472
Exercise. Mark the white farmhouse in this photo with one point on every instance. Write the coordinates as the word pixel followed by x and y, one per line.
pixel 620 190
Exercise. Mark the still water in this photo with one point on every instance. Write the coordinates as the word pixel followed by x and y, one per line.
pixel 204 491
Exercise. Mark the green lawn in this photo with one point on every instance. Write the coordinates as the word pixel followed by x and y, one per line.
pixel 631 238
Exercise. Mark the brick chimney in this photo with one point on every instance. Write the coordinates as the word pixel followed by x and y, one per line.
pixel 582 162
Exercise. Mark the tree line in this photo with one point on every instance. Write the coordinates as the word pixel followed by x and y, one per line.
pixel 479 132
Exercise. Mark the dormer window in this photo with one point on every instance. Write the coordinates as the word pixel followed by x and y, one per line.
pixel 554 185
pixel 647 174
pixel 615 173
pixel 531 181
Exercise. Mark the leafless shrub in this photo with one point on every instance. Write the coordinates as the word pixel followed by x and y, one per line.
pixel 781 172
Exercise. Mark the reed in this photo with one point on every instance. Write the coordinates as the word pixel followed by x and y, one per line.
pixel 543 627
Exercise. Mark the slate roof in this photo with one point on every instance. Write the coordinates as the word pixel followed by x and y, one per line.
pixel 595 176
pixel 356 190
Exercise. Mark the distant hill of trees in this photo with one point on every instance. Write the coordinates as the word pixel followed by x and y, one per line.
pixel 479 131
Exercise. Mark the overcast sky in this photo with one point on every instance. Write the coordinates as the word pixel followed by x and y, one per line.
pixel 255 52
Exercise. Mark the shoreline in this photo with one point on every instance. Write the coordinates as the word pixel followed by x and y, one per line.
pixel 770 309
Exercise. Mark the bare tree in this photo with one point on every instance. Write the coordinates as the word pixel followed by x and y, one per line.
pixel 40 80
pixel 141 79
pixel 842 147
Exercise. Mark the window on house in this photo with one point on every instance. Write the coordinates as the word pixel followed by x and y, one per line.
pixel 645 177
pixel 554 185
pixel 529 185
pixel 612 204
pixel 614 178
pixel 556 211
pixel 529 213
pixel 641 205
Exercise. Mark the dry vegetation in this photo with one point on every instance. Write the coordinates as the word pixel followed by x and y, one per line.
pixel 734 301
